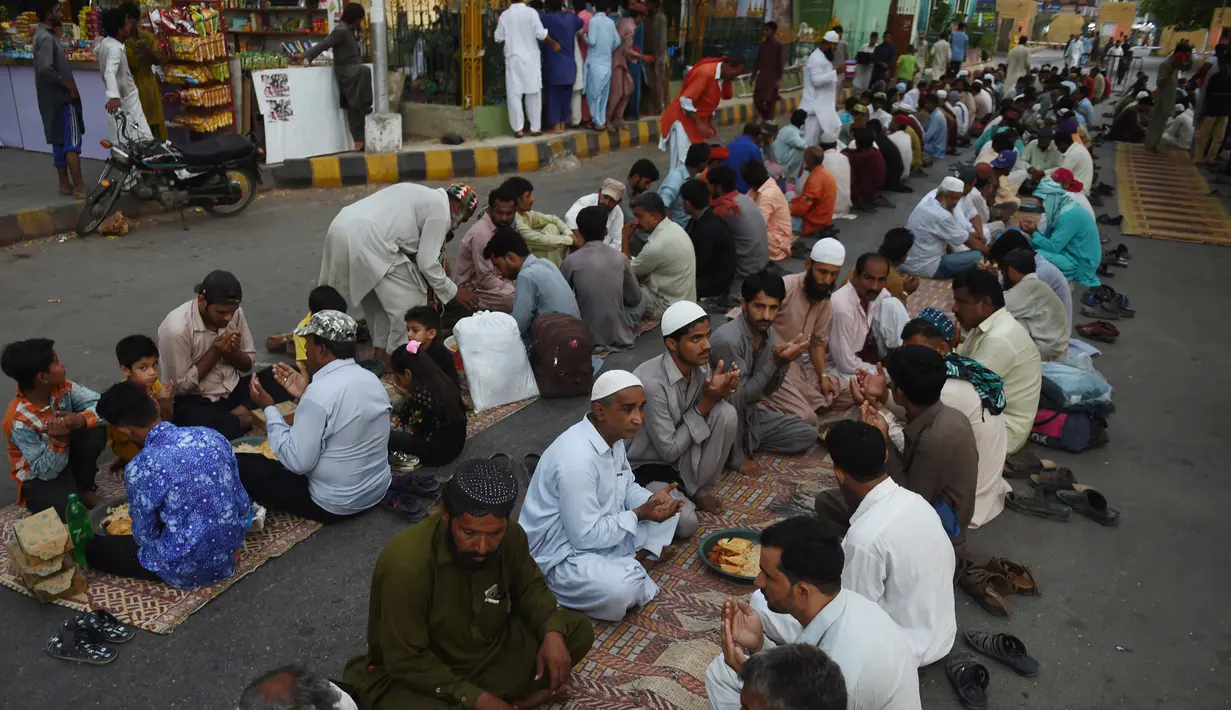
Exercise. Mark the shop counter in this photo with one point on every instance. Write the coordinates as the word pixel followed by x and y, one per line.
pixel 302 113
pixel 21 125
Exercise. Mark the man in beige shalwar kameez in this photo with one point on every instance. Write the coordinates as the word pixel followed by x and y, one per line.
pixel 807 389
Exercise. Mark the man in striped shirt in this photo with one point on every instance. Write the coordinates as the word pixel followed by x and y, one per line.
pixel 53 433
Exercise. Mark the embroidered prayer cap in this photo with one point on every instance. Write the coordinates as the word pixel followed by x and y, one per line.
pixel 942 322
pixel 952 184
pixel 828 251
pixel 480 487
pixel 613 381
pixel 467 197
pixel 613 189
pixel 832 36
pixel 334 326
pixel 859 108
pixel 680 315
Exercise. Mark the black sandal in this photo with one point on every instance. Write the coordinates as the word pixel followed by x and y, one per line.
pixel 1060 479
pixel 969 678
pixel 1039 504
pixel 1007 649
pixel 104 624
pixel 80 645
pixel 1090 503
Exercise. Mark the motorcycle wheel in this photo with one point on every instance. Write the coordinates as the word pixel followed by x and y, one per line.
pixel 247 181
pixel 98 205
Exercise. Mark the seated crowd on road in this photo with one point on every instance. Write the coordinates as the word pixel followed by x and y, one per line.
pixel 481 606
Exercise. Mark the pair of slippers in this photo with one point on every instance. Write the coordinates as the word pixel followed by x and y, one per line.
pixel 992 584
pixel 90 638
pixel 970 678
pixel 1056 494
pixel 412 496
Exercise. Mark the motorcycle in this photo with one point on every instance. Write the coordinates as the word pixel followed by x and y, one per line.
pixel 219 174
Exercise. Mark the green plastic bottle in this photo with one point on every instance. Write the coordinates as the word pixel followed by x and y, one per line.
pixel 79 528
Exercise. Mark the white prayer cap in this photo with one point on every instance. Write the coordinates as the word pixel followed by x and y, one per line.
pixel 680 314
pixel 1142 94
pixel 828 138
pixel 989 77
pixel 952 184
pixel 828 251
pixel 963 73
pixel 1180 107
pixel 941 94
pixel 613 381
pixel 832 36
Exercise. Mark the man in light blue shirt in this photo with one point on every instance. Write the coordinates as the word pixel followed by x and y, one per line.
pixel 936 130
pixel 1085 107
pixel 334 461
pixel 789 146
pixel 800 599
pixel 958 42
pixel 541 289
pixel 696 160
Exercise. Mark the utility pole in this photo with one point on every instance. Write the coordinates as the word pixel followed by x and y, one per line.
pixel 382 127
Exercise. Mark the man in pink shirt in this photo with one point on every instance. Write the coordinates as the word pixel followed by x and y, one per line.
pixel 865 321
pixel 475 272
pixel 768 196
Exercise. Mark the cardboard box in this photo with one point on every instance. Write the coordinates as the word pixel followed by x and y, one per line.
pixel 40 555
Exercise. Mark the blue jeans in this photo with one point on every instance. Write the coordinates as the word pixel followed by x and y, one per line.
pixel 956 263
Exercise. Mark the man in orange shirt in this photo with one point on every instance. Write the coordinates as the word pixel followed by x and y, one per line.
pixel 690 117
pixel 812 207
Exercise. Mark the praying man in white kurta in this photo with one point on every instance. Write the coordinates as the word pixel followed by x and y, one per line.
pixel 587 520
pixel 520 30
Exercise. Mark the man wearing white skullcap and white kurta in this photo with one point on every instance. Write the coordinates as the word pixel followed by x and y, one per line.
pixel 807 388
pixel 585 516
pixel 939 228
pixel 689 428
pixel 819 97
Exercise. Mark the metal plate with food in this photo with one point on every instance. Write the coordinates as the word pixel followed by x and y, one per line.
pixel 733 553
pixel 253 445
pixel 111 517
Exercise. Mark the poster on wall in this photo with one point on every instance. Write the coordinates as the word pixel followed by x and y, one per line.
pixel 281 110
pixel 275 85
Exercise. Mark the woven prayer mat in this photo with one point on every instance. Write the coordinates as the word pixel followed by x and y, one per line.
pixel 645 325
pixel 478 421
pixel 1163 195
pixel 154 606
pixel 657 656
pixel 937 293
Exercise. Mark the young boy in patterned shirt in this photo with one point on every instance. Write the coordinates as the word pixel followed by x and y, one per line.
pixel 138 357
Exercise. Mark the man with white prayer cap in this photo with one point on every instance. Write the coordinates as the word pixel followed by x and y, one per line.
pixel 587 519
pixel 939 228
pixel 807 388
pixel 819 97
pixel 689 429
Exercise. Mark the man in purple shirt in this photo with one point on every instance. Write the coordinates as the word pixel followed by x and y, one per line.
pixel 472 270
pixel 743 149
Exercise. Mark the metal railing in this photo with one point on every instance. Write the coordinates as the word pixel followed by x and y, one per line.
pixel 423 44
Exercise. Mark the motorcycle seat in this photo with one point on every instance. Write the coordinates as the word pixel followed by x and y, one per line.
pixel 219 149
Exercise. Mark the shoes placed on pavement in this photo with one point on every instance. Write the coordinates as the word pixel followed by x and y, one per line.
pixel 1040 504
pixel 1007 649
pixel 1090 503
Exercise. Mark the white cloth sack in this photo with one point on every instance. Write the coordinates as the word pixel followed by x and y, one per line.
pixel 495 359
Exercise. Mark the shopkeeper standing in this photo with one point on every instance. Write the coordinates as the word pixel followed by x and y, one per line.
pixel 59 104
pixel 354 79
pixel 142 57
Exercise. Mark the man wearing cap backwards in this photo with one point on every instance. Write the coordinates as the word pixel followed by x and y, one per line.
pixel 800 599
pixel 806 388
pixel 588 521
pixel 689 429
pixel 384 253
pixel 939 227
pixel 205 346
pixel 820 91
pixel 749 343
pixel 690 117
pixel 460 615
pixel 334 462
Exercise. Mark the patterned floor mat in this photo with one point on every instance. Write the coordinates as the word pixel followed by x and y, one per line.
pixel 158 607
pixel 1163 195
pixel 937 293
pixel 656 657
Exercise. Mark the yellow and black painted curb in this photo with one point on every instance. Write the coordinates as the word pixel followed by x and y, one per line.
pixel 446 164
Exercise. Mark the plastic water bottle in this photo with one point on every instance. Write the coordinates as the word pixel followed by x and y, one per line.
pixel 79 528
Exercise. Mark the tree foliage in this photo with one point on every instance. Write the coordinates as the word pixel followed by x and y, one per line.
pixel 1183 14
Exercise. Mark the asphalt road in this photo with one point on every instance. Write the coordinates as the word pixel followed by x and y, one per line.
pixel 1131 617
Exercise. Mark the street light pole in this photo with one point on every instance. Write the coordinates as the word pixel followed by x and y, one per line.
pixel 380 58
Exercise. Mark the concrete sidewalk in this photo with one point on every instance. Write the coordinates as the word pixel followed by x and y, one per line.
pixel 30 203
pixel 493 156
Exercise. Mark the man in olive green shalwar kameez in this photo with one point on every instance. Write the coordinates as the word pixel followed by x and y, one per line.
pixel 459 614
